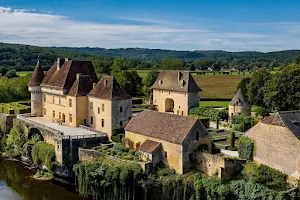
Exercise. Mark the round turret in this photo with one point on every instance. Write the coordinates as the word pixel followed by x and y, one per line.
pixel 239 105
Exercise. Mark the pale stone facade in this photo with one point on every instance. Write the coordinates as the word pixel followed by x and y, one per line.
pixel 277 143
pixel 175 92
pixel 69 93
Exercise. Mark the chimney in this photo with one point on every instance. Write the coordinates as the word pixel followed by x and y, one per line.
pixel 78 75
pixel 58 64
pixel 66 59
pixel 94 85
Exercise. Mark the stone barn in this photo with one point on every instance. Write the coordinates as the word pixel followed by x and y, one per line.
pixel 167 138
pixel 277 142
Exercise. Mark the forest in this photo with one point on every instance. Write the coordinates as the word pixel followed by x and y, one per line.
pixel 24 57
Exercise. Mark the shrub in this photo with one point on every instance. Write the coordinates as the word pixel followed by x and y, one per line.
pixel 14 143
pixel 211 113
pixel 104 147
pixel 117 138
pixel 263 174
pixel 246 148
pixel 127 157
pixel 119 147
pixel 132 152
pixel 43 153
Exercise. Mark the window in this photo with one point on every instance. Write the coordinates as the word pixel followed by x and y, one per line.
pixel 166 154
pixel 91 106
pixel 53 113
pixel 179 107
pixel 154 100
pixel 59 115
pixel 121 109
pixel 197 135
pixel 53 99
pixel 59 100
pixel 45 111
pixel 103 107
pixel 177 112
pixel 121 123
pixel 44 97
pixel 102 122
pixel 92 120
pixel 169 92
pixel 70 117
pixel 70 103
pixel 98 110
pixel 57 144
pixel 181 112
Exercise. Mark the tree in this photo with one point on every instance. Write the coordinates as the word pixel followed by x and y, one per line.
pixel 14 143
pixel 232 140
pixel 130 81
pixel 119 64
pixel 282 92
pixel 243 85
pixel 172 63
pixel 149 80
pixel 255 88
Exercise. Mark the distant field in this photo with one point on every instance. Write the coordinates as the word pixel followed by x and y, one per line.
pixel 218 86
pixel 142 73
pixel 217 74
pixel 24 73
pixel 214 103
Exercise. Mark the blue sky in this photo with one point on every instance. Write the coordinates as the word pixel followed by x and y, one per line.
pixel 232 25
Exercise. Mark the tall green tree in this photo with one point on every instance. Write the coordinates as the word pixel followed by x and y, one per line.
pixel 282 92
pixel 255 88
pixel 243 85
pixel 173 63
pixel 130 81
pixel 149 80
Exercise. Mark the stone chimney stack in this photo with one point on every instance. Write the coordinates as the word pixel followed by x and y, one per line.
pixel 78 75
pixel 58 64
pixel 66 59
pixel 94 85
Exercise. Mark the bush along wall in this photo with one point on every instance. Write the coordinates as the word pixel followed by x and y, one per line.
pixel 105 179
pixel 212 113
pixel 246 148
pixel 43 154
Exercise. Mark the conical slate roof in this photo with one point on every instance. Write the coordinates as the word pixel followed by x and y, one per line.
pixel 239 99
pixel 108 88
pixel 37 76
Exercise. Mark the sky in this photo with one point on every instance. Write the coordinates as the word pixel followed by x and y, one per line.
pixel 230 25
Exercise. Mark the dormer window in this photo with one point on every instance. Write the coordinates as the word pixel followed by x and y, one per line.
pixel 160 82
pixel 181 83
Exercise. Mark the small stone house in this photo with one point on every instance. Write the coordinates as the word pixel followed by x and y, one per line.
pixel 167 138
pixel 239 105
pixel 277 142
pixel 175 92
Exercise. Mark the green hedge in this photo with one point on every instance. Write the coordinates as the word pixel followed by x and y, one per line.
pixel 211 113
pixel 246 148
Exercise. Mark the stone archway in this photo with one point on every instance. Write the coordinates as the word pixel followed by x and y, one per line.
pixel 169 105
pixel 63 119
pixel 35 134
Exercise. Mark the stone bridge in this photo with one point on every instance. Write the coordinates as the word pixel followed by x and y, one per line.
pixel 65 139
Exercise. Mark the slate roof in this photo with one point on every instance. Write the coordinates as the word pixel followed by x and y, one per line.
pixel 37 76
pixel 149 146
pixel 65 77
pixel 171 79
pixel 108 88
pixel 82 86
pixel 168 127
pixel 288 119
pixel 239 99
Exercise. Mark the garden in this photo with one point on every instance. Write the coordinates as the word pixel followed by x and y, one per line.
pixel 20 107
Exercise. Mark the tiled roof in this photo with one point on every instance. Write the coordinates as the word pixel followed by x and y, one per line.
pixel 174 80
pixel 108 88
pixel 82 86
pixel 65 76
pixel 149 146
pixel 169 127
pixel 289 119
pixel 239 99
pixel 37 76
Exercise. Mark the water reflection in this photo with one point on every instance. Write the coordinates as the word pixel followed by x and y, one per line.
pixel 16 184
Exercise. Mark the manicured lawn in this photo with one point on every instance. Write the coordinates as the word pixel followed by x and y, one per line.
pixel 142 73
pixel 215 104
pixel 218 86
pixel 24 73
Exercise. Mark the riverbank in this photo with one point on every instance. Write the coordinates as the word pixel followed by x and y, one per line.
pixel 17 183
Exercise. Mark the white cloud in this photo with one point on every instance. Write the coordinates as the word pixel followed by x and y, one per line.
pixel 46 29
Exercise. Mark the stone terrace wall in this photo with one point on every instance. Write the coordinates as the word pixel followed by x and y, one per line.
pixel 224 168
pixel 89 154
pixel 8 120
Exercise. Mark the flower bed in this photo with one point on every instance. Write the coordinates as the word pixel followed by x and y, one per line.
pixel 119 151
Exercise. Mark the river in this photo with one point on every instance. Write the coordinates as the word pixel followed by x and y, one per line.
pixel 16 183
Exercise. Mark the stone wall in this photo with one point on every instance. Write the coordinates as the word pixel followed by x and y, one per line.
pixel 210 164
pixel 8 119
pixel 89 154
pixel 277 147
pixel 239 110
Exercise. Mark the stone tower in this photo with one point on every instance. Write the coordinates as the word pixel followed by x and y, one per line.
pixel 239 105
pixel 35 89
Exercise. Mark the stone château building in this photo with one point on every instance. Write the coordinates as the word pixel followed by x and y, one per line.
pixel 175 92
pixel 167 138
pixel 70 92
pixel 239 105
